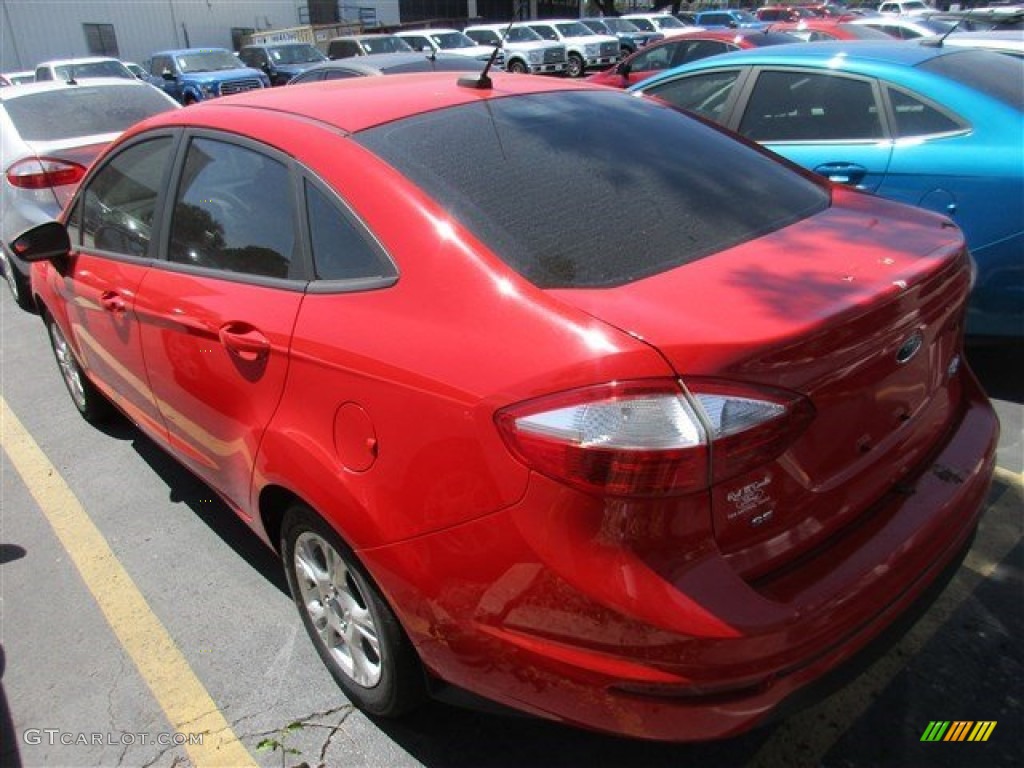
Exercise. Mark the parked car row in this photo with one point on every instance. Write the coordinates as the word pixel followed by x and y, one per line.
pixel 541 391
pixel 929 124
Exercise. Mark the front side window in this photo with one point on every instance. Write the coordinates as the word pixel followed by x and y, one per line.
pixel 574 29
pixel 120 202
pixel 705 94
pixel 523 35
pixel 484 36
pixel 701 49
pixel 548 33
pixel 418 42
pixel 385 44
pixel 800 106
pixel 160 64
pixel 653 59
pixel 233 211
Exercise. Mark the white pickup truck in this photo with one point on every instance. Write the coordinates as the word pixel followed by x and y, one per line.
pixel 525 51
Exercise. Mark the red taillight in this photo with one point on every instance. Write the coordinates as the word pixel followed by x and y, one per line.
pixel 653 438
pixel 44 173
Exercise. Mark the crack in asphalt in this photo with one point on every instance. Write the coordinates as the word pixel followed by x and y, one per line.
pixel 309 721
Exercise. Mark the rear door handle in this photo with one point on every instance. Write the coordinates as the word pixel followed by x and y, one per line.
pixel 244 342
pixel 842 173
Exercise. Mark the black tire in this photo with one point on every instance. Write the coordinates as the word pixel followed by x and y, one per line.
pixel 338 603
pixel 576 68
pixel 17 283
pixel 517 67
pixel 90 402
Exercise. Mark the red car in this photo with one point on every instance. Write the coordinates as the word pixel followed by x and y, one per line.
pixel 813 30
pixel 648 437
pixel 784 13
pixel 673 51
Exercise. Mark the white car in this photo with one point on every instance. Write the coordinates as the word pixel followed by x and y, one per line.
pixel 904 27
pixel 447 41
pixel 17 78
pixel 664 23
pixel 50 133
pixel 585 49
pixel 1008 41
pixel 904 7
pixel 525 51
pixel 77 69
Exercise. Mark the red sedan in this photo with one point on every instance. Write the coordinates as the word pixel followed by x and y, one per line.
pixel 673 51
pixel 643 436
pixel 812 30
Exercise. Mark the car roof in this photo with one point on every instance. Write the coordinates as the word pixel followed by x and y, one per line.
pixel 360 103
pixel 179 51
pixel 432 30
pixel 80 60
pixel 27 89
pixel 374 63
pixel 897 52
pixel 370 36
pixel 276 44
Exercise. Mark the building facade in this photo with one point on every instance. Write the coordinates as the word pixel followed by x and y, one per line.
pixel 32 31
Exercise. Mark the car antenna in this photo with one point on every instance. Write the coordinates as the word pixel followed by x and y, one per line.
pixel 482 82
pixel 938 43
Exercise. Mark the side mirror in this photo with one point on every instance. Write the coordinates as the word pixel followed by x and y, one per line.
pixel 42 243
pixel 625 68
pixel 167 74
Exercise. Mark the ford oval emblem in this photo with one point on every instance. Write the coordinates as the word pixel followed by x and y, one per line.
pixel 910 348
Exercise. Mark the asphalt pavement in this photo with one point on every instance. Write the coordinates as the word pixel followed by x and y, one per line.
pixel 138 617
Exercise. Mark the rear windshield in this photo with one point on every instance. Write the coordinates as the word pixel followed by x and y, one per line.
pixel 592 189
pixel 1001 77
pixel 83 110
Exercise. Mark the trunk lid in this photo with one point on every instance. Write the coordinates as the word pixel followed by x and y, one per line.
pixel 859 309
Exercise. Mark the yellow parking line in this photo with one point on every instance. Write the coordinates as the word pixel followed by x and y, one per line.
pixel 184 700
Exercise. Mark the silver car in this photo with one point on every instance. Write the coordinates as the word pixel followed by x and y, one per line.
pixel 50 133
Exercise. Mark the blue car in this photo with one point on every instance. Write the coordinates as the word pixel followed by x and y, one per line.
pixel 191 75
pixel 729 19
pixel 932 126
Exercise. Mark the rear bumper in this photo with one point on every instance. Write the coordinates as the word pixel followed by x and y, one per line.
pixel 623 617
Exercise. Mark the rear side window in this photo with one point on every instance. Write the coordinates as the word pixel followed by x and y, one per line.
pixel 917 118
pixel 83 110
pixel 233 211
pixel 591 189
pixel 120 201
pixel 342 249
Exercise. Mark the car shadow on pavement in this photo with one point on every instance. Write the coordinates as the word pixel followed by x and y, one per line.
pixel 185 488
pixel 443 736
pixel 1000 368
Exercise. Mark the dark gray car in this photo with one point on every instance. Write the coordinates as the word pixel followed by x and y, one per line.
pixel 387 64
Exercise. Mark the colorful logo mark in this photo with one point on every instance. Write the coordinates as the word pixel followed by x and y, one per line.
pixel 959 730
